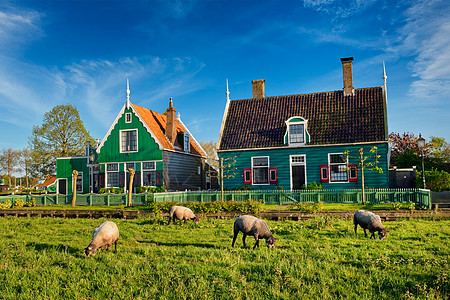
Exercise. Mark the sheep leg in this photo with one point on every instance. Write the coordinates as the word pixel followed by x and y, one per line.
pixel 373 235
pixel 243 239
pixel 234 237
pixel 170 219
pixel 185 221
pixel 365 233
pixel 256 243
pixel 107 247
pixel 356 226
pixel 115 247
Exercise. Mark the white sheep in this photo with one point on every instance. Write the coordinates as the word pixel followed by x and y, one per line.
pixel 372 222
pixel 250 225
pixel 181 213
pixel 103 236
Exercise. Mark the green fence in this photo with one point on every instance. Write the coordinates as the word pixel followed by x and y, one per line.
pixel 418 196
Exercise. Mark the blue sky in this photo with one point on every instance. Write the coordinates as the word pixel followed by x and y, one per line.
pixel 82 52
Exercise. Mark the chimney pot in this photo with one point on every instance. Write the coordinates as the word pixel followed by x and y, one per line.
pixel 347 70
pixel 258 88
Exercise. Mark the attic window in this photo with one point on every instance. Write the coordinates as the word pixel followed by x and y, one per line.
pixel 128 118
pixel 296 132
pixel 187 142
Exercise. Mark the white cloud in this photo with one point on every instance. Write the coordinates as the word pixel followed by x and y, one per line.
pixel 339 9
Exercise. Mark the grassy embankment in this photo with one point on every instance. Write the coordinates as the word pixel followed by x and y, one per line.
pixel 42 258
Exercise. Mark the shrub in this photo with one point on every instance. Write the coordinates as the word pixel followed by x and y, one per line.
pixel 308 207
pixel 18 203
pixel 31 203
pixel 435 180
pixel 314 186
pixel 396 205
pixel 6 204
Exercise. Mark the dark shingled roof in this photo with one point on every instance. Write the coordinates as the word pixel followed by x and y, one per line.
pixel 332 119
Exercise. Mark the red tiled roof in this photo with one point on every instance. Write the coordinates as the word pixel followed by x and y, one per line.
pixel 48 181
pixel 156 122
pixel 332 119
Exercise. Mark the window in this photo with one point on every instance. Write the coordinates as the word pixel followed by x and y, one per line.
pixel 260 170
pixel 273 176
pixel 149 173
pixel 80 182
pixel 130 166
pixel 296 133
pixel 247 176
pixel 187 142
pixel 112 175
pixel 128 140
pixel 128 118
pixel 338 168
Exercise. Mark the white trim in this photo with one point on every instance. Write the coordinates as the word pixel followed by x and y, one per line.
pixel 117 120
pixel 193 139
pixel 287 133
pixel 82 183
pixel 225 115
pixel 305 146
pixel 297 164
pixel 268 169
pixel 126 117
pixel 329 168
pixel 120 140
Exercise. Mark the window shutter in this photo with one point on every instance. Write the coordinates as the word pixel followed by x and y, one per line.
pixel 353 172
pixel 273 175
pixel 101 180
pixel 121 179
pixel 324 177
pixel 247 175
pixel 137 179
pixel 158 178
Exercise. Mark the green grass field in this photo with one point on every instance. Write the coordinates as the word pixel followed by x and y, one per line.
pixel 43 258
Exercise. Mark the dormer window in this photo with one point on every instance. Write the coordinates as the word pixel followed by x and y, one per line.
pixel 187 142
pixel 296 132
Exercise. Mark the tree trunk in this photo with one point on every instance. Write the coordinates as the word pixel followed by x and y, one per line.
pixel 130 186
pixel 74 187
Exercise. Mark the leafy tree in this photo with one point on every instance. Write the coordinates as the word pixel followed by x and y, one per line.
pixel 62 133
pixel 405 152
pixel 8 161
pixel 211 153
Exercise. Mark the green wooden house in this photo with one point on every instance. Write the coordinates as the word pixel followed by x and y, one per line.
pixel 292 141
pixel 159 147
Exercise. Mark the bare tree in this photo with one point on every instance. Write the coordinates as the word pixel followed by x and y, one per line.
pixel 25 162
pixel 8 161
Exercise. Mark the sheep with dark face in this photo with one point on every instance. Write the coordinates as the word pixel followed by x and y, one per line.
pixel 181 213
pixel 372 222
pixel 104 235
pixel 250 225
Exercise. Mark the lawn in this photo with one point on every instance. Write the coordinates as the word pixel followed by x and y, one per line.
pixel 43 258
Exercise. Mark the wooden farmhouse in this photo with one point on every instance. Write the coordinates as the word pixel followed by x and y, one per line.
pixel 292 141
pixel 159 147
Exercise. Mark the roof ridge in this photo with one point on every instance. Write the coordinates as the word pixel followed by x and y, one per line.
pixel 306 94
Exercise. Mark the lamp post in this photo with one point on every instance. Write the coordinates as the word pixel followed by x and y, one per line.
pixel 421 145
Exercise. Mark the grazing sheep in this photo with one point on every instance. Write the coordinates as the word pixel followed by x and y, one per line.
pixel 250 225
pixel 371 221
pixel 181 213
pixel 103 236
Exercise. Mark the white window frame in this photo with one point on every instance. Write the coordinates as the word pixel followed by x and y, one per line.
pixel 128 118
pixel 187 142
pixel 76 182
pixel 288 130
pixel 258 167
pixel 334 164
pixel 303 163
pixel 147 170
pixel 107 172
pixel 120 141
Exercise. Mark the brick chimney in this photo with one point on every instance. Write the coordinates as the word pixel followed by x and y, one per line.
pixel 347 69
pixel 258 88
pixel 171 125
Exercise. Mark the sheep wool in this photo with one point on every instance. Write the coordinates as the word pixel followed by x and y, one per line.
pixel 104 235
pixel 181 213
pixel 372 222
pixel 250 225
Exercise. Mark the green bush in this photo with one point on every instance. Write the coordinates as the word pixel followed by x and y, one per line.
pixel 435 180
pixel 18 203
pixel 111 191
pixel 314 186
pixel 6 204
pixel 249 206
pixel 150 189
pixel 308 207
pixel 31 203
